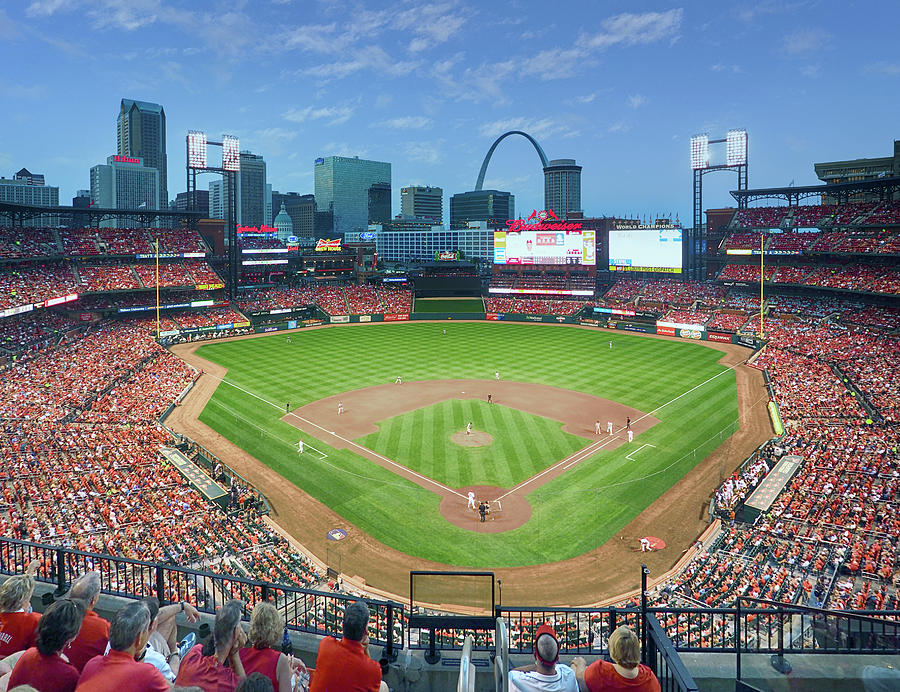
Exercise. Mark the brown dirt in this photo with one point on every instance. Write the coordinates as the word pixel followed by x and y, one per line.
pixel 677 517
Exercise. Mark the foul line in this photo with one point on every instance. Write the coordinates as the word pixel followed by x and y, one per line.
pixel 630 456
pixel 583 454
pixel 269 432
pixel 343 439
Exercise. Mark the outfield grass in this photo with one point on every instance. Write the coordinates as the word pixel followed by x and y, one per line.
pixel 571 515
pixel 461 305
pixel 523 443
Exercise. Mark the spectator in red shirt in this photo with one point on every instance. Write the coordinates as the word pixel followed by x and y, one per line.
pixel 94 635
pixel 118 669
pixel 625 673
pixel 345 666
pixel 263 656
pixel 43 666
pixel 17 623
pixel 215 666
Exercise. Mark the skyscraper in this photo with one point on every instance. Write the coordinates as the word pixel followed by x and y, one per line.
pixel 562 187
pixel 493 206
pixel 29 188
pixel 251 192
pixel 124 182
pixel 346 186
pixel 380 203
pixel 141 133
pixel 422 202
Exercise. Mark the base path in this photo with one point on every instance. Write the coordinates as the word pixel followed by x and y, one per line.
pixel 678 516
pixel 578 412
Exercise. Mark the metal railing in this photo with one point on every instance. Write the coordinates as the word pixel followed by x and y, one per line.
pixel 664 661
pixel 761 627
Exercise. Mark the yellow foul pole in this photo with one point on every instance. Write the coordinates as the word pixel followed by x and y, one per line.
pixel 157 288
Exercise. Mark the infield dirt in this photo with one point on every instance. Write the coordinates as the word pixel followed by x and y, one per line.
pixel 678 516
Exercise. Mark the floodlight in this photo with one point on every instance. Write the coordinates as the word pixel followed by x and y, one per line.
pixel 231 153
pixel 699 152
pixel 196 149
pixel 736 148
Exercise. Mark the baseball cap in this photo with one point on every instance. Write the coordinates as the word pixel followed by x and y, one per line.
pixel 546 629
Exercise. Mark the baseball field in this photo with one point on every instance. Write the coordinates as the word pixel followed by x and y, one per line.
pixel 396 464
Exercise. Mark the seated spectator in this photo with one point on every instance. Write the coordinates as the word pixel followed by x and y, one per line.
pixel 120 669
pixel 255 682
pixel 626 671
pixel 18 624
pixel 163 652
pixel 546 674
pixel 263 656
pixel 345 665
pixel 94 635
pixel 215 665
pixel 43 666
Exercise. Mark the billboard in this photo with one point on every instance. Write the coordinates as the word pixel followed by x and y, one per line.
pixel 328 245
pixel 545 247
pixel 646 249
pixel 446 256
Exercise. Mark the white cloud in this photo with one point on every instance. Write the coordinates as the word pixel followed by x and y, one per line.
pixel 408 122
pixel 553 63
pixel 539 129
pixel 636 100
pixel 586 98
pixel 619 127
pixel 45 8
pixel 424 152
pixel 334 115
pixel 884 68
pixel 369 58
pixel 805 41
pixel 636 29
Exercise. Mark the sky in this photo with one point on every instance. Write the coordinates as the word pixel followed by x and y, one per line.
pixel 428 86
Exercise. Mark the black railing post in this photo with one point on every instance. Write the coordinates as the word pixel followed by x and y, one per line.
pixel 160 587
pixel 644 573
pixel 737 638
pixel 612 622
pixel 389 652
pixel 265 591
pixel 60 573
pixel 778 661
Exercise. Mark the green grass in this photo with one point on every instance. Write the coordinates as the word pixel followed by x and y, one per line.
pixel 523 443
pixel 571 515
pixel 462 305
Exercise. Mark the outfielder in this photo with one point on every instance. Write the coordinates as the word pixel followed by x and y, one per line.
pixel 299 446
pixel 399 380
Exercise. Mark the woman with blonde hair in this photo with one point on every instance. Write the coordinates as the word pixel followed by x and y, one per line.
pixel 18 625
pixel 262 654
pixel 626 672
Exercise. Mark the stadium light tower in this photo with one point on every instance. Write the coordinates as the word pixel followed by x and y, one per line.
pixel 735 160
pixel 197 163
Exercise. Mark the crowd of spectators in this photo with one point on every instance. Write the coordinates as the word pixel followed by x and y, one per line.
pixel 23 243
pixel 275 298
pixel 209 317
pixel 35 283
pixel 727 321
pixel 362 299
pixel 34 330
pixel 106 277
pixel 741 241
pixel 746 272
pixel 396 300
pixel 125 241
pixel 683 316
pixel 331 300
pixel 535 306
pixel 759 217
pixel 791 242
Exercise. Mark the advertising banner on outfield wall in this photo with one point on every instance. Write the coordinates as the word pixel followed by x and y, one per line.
pixel 396 318
pixel 642 328
pixel 339 319
pixel 689 334
pixel 493 316
pixel 365 318
pixel 721 338
pixel 667 331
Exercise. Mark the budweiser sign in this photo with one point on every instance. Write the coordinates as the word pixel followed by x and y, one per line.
pixel 326 245
pixel 544 220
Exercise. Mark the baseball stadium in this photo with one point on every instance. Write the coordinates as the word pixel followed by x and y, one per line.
pixel 589 422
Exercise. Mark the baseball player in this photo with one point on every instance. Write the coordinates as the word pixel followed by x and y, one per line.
pixel 468 428
pixel 628 422
pixel 299 446
pixel 472 504
pixel 597 427
pixel 340 407
pixel 497 375
pixel 287 407
pixel 630 434
pixel 609 428
pixel 399 380
pixel 610 344
pixel 288 338
pixel 645 545
pixel 490 399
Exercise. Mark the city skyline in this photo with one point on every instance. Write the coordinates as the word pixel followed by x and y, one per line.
pixel 428 87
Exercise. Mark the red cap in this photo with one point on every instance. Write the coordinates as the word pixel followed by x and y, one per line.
pixel 546 629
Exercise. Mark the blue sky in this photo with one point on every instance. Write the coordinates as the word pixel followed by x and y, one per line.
pixel 428 86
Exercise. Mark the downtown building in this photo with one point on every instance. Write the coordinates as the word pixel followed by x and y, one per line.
pixel 422 202
pixel 124 182
pixel 416 241
pixel 491 206
pixel 302 210
pixel 356 192
pixel 562 187
pixel 141 133
pixel 29 188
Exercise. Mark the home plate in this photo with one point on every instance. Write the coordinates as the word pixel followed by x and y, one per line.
pixel 655 543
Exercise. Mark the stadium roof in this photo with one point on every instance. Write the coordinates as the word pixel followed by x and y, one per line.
pixel 842 191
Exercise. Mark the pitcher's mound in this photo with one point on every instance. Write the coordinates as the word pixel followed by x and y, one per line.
pixel 475 439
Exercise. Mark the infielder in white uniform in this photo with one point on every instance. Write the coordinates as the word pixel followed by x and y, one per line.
pixel 645 545
pixel 468 428
pixel 299 446
pixel 497 375
pixel 340 407
pixel 399 380
pixel 609 428
pixel 597 427
pixel 630 435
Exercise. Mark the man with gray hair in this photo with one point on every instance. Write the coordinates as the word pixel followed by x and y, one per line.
pixel 91 640
pixel 119 669
pixel 345 666
pixel 216 664
pixel 546 674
